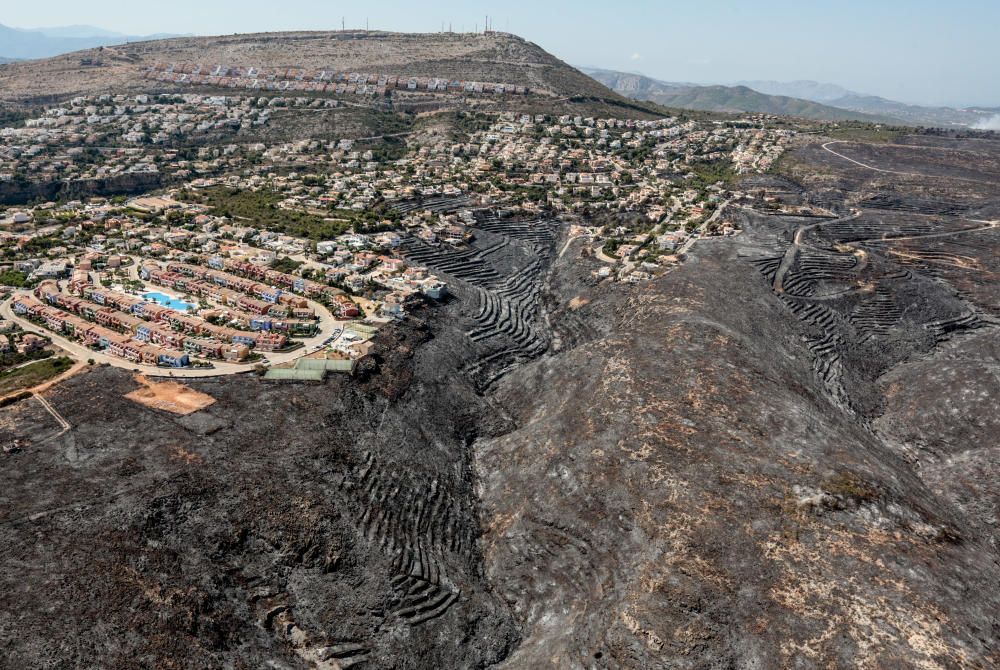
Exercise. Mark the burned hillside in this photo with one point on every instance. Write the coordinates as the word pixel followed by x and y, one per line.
pixel 777 454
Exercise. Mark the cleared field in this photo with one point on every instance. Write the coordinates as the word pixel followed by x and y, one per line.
pixel 170 397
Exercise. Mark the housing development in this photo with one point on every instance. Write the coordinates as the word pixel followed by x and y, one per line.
pixel 355 349
pixel 316 81
pixel 260 285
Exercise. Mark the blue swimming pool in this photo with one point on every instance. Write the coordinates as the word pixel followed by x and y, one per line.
pixel 167 301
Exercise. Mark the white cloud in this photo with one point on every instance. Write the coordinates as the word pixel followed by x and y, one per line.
pixel 636 56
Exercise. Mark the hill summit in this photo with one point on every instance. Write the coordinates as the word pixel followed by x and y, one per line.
pixel 495 58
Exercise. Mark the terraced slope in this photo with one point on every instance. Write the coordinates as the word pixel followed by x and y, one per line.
pixel 298 526
pixel 498 281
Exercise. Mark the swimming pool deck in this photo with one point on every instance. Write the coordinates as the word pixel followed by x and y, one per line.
pixel 168 301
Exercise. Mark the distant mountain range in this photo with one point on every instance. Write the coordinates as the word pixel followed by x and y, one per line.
pixel 634 85
pixel 733 99
pixel 78 31
pixel 837 96
pixel 745 99
pixel 805 89
pixel 20 44
pixel 804 99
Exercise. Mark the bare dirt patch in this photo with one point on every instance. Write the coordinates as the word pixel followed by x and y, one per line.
pixel 170 397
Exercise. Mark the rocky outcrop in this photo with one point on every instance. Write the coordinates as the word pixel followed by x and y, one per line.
pixel 19 193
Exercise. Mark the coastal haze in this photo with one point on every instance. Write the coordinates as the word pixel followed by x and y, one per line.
pixel 380 347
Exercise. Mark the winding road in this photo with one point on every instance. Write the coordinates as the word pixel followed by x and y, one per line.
pixel 797 243
pixel 793 249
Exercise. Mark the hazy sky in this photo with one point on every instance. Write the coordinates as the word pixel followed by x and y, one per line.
pixel 912 50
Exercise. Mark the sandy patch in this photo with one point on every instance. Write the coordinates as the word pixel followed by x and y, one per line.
pixel 171 397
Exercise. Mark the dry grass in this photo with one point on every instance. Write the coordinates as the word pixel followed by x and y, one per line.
pixel 38 376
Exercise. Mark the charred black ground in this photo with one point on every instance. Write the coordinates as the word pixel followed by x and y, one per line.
pixel 780 454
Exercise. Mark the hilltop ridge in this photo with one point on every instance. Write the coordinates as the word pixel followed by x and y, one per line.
pixel 492 57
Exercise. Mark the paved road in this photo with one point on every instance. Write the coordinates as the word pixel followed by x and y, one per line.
pixel 599 252
pixel 378 137
pixel 686 247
